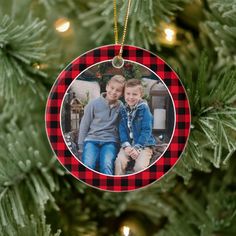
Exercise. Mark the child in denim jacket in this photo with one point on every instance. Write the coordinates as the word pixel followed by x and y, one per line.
pixel 135 130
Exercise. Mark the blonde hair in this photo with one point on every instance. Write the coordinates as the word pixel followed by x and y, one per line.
pixel 117 78
pixel 134 83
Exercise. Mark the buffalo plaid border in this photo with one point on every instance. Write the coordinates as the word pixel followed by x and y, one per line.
pixel 163 164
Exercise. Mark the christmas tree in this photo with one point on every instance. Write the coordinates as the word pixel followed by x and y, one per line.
pixel 38 197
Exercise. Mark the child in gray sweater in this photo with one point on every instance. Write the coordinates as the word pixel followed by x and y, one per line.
pixel 98 135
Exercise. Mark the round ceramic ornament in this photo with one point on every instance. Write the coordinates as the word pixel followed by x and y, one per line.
pixel 82 82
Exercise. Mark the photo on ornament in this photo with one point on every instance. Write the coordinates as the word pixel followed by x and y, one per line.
pixel 153 116
pixel 117 121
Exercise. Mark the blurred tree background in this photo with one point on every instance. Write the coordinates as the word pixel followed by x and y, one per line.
pixel 38 38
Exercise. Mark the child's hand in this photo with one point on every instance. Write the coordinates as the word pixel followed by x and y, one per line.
pixel 134 153
pixel 128 150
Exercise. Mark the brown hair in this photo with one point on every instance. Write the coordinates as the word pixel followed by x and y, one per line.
pixel 133 83
pixel 117 78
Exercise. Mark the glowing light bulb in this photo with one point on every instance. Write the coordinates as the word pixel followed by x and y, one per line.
pixel 36 66
pixel 62 25
pixel 126 230
pixel 169 34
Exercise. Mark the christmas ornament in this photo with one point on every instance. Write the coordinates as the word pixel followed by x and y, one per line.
pixel 81 83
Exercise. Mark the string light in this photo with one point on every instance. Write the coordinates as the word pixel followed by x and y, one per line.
pixel 132 225
pixel 62 25
pixel 170 34
pixel 36 66
pixel 126 230
pixel 40 66
pixel 167 34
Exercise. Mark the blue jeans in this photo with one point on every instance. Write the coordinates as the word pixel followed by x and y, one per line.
pixel 102 154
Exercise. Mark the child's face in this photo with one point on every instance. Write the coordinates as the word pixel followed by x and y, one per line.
pixel 133 95
pixel 114 91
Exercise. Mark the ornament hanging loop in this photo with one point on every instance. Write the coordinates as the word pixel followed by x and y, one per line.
pixel 118 60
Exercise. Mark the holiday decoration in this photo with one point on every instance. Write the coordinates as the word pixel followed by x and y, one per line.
pixel 40 197
pixel 178 134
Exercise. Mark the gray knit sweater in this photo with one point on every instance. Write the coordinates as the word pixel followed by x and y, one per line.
pixel 100 122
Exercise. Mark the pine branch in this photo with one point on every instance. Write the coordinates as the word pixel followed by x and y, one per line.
pixel 212 100
pixel 51 4
pixel 26 179
pixel 208 208
pixel 76 213
pixel 142 24
pixel 220 27
pixel 26 107
pixel 21 46
pixel 34 226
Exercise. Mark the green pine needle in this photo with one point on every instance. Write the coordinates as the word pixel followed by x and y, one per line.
pixel 145 17
pixel 221 29
pixel 212 100
pixel 25 173
pixel 21 46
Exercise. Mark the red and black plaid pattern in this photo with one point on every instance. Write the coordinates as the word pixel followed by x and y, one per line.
pixel 163 164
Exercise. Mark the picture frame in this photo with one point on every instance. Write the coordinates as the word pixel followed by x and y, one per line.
pixel 181 123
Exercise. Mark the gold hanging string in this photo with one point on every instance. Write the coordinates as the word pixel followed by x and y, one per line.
pixel 115 23
pixel 125 26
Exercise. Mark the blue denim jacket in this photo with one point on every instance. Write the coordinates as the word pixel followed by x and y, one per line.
pixel 141 125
